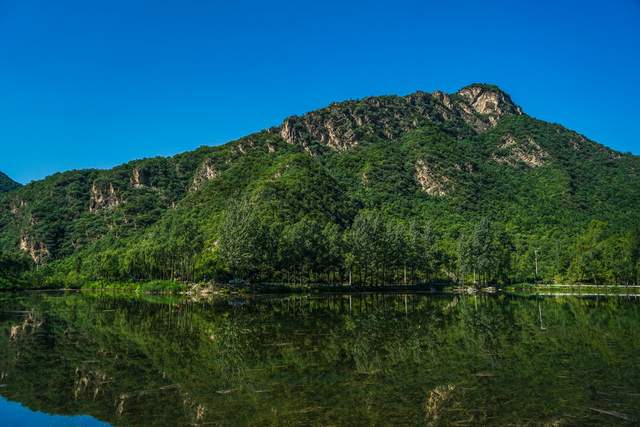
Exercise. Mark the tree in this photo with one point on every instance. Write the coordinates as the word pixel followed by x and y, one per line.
pixel 466 258
pixel 482 243
pixel 427 255
pixel 12 265
pixel 587 264
pixel 238 240
pixel 485 253
pixel 333 257
pixel 398 247
pixel 503 248
pixel 621 258
pixel 366 243
pixel 632 252
pixel 304 246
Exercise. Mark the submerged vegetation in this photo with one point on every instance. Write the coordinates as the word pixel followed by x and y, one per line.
pixel 425 188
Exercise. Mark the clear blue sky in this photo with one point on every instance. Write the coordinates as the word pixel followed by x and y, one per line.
pixel 98 83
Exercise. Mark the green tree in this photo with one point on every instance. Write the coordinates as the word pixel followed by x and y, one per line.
pixel 367 243
pixel 588 262
pixel 238 242
pixel 485 253
pixel 304 246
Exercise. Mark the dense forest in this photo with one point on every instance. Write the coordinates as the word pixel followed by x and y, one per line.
pixel 6 183
pixel 424 188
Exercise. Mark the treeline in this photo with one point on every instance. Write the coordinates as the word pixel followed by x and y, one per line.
pixel 375 249
pixel 12 269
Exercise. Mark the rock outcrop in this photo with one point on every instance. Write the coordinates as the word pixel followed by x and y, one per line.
pixel 37 250
pixel 139 178
pixel 489 102
pixel 103 196
pixel 17 206
pixel 524 151
pixel 342 126
pixel 206 172
pixel 244 145
pixel 432 182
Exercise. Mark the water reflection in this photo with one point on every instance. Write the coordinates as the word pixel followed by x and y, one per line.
pixel 15 414
pixel 374 359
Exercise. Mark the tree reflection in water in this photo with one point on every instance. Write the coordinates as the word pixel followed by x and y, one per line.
pixel 374 359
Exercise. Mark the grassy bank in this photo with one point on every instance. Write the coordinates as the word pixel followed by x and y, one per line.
pixel 172 287
pixel 572 289
pixel 151 287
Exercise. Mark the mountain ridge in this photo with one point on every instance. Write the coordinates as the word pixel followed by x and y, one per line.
pixel 447 159
pixel 7 184
pixel 476 105
pixel 471 90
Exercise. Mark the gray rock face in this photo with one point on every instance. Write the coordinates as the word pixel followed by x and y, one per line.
pixel 344 125
pixel 205 173
pixel 430 181
pixel 526 152
pixel 37 250
pixel 103 197
pixel 491 103
pixel 139 178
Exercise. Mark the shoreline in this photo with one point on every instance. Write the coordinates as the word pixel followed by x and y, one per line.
pixel 201 290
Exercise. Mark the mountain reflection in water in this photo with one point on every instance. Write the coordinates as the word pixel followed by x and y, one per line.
pixel 372 359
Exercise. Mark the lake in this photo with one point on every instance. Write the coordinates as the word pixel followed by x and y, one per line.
pixel 362 359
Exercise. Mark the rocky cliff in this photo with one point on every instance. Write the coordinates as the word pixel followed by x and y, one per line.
pixel 344 125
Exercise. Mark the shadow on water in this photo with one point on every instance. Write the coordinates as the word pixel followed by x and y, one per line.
pixel 372 359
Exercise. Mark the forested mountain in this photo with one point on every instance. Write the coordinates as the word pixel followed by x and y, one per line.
pixel 461 186
pixel 7 183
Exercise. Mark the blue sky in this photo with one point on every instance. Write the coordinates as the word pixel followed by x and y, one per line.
pixel 98 83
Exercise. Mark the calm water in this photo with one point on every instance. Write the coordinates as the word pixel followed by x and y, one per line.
pixel 88 359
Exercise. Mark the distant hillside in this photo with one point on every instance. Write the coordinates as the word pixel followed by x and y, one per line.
pixel 461 186
pixel 6 183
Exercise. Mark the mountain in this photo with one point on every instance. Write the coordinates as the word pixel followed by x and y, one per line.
pixel 346 188
pixel 6 183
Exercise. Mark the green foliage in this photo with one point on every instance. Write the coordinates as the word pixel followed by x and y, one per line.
pixel 561 207
pixel 239 239
pixel 6 183
pixel 152 286
pixel 12 265
pixel 363 359
pixel 603 257
pixel 485 254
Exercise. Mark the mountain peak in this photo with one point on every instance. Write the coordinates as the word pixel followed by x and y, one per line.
pixel 343 125
pixel 489 99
